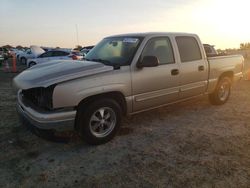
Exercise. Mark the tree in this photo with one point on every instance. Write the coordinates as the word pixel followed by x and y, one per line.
pixel 245 46
pixel 7 46
pixel 19 47
pixel 78 47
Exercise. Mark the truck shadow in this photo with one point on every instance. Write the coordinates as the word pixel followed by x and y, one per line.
pixel 66 136
pixel 52 135
pixel 126 128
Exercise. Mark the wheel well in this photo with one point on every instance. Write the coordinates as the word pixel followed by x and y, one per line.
pixel 227 74
pixel 117 96
pixel 21 59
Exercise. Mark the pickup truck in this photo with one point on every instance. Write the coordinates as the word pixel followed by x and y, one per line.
pixel 122 75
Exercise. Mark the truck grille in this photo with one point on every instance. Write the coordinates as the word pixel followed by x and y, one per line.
pixel 40 97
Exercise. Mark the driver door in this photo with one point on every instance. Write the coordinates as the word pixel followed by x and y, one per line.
pixel 156 86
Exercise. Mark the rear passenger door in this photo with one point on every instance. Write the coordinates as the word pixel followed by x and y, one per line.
pixel 193 67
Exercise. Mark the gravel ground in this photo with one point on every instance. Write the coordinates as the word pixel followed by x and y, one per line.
pixel 190 144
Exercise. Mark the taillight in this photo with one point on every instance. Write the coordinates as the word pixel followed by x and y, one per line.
pixel 74 57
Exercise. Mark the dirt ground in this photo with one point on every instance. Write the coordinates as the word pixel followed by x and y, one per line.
pixel 190 144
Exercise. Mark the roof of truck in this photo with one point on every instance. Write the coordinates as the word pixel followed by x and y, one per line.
pixel 152 34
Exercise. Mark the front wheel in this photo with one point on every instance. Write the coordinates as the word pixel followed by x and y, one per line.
pixel 23 60
pixel 222 91
pixel 99 121
pixel 32 64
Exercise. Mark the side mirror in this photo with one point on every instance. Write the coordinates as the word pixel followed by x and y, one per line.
pixel 148 61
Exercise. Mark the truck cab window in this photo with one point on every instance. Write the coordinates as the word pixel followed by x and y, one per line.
pixel 188 48
pixel 161 48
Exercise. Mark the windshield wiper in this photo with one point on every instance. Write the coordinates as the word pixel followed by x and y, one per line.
pixel 106 62
pixel 86 59
pixel 98 60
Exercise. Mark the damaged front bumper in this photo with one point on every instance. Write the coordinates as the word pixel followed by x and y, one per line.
pixel 62 120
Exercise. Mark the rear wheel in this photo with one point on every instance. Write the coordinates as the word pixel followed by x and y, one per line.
pixel 222 91
pixel 99 121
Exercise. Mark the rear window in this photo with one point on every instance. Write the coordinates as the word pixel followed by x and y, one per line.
pixel 188 48
pixel 46 54
pixel 60 53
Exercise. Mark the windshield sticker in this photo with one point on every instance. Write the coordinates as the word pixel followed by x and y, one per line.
pixel 130 40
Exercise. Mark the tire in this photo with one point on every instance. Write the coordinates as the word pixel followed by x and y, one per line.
pixel 23 60
pixel 222 91
pixel 32 64
pixel 98 121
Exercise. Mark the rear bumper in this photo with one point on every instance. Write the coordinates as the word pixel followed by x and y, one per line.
pixel 46 120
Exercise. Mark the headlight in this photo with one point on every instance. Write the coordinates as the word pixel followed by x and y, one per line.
pixel 40 97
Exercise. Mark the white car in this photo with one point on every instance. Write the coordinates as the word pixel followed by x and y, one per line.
pixel 15 52
pixel 31 53
pixel 48 56
pixel 20 52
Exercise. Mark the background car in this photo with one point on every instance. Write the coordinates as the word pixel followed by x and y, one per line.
pixel 19 53
pixel 14 51
pixel 1 59
pixel 86 49
pixel 33 52
pixel 210 50
pixel 75 55
pixel 5 52
pixel 48 56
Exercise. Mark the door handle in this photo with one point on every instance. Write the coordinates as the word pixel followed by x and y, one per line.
pixel 201 68
pixel 174 72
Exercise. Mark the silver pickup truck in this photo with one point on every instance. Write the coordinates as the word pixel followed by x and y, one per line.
pixel 123 75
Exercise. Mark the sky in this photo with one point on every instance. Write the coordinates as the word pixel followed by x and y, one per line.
pixel 66 23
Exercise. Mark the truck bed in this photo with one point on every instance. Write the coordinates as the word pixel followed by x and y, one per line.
pixel 233 64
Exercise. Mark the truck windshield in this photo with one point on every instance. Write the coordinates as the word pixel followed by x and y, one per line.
pixel 115 51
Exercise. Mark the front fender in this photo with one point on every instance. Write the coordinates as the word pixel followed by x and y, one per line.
pixel 64 96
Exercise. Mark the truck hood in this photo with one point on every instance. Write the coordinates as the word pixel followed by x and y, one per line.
pixel 36 50
pixel 57 71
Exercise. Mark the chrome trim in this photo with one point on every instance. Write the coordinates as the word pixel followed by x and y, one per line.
pixel 167 104
pixel 193 86
pixel 155 94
